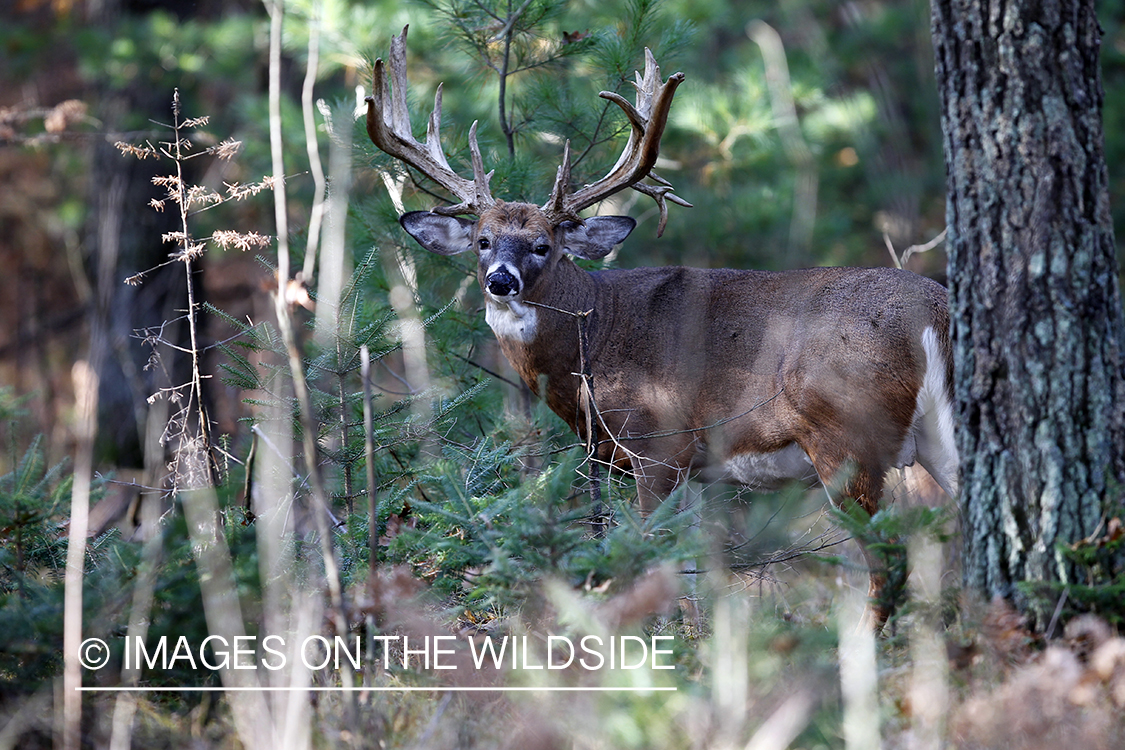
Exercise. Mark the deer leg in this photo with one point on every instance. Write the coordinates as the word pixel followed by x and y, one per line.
pixel 865 487
pixel 656 479
pixel 659 462
pixel 849 480
pixel 660 465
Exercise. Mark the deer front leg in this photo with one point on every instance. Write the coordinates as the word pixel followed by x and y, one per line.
pixel 656 479
pixel 660 464
pixel 658 473
pixel 658 457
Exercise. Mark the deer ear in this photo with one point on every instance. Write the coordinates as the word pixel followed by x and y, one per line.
pixel 444 235
pixel 594 239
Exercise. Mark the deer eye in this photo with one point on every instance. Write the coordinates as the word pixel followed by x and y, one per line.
pixel 483 243
pixel 541 249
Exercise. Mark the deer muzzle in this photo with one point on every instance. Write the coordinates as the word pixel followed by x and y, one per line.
pixel 501 283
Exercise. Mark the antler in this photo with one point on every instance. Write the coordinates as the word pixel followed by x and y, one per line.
pixel 389 129
pixel 648 118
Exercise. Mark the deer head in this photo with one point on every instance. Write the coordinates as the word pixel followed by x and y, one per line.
pixel 518 243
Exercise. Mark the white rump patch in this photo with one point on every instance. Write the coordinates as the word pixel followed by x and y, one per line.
pixel 771 471
pixel 931 438
pixel 511 320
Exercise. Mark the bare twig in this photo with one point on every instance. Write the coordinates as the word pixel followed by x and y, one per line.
pixel 587 379
pixel 369 457
pixel 506 35
pixel 194 462
pixel 86 390
pixel 285 324
pixel 372 499
pixel 789 128
pixel 487 371
pixel 900 260
pixel 316 213
pixel 196 374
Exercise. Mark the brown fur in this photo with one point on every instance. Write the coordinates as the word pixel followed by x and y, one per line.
pixel 818 374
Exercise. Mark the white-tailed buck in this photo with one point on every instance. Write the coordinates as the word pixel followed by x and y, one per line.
pixel 836 374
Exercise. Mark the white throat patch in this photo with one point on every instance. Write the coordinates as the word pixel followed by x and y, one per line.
pixel 511 320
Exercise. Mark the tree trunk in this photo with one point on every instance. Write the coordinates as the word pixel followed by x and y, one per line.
pixel 1033 284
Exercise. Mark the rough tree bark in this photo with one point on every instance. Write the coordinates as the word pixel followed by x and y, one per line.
pixel 1033 283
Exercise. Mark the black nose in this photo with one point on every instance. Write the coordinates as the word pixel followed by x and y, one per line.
pixel 502 284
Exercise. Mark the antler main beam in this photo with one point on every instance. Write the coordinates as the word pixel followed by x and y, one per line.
pixel 388 126
pixel 648 120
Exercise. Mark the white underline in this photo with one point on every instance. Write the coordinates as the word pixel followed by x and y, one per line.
pixel 374 689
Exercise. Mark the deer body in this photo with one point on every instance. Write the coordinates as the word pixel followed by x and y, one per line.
pixel 749 376
pixel 753 377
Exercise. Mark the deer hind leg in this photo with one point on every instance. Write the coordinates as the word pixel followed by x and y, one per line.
pixel 881 593
pixel 865 487
pixel 848 480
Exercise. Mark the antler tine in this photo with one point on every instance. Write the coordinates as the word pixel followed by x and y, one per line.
pixel 479 198
pixel 647 120
pixel 389 129
pixel 400 116
pixel 480 179
pixel 556 206
pixel 433 132
pixel 660 193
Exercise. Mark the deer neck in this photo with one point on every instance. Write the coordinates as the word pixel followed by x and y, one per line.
pixel 540 334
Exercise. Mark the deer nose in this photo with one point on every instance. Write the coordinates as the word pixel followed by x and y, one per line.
pixel 502 284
